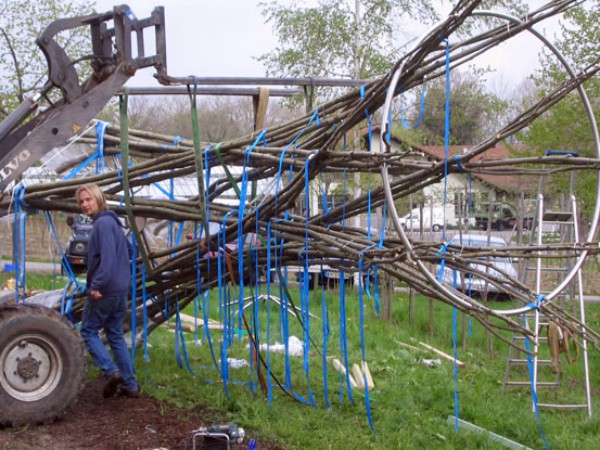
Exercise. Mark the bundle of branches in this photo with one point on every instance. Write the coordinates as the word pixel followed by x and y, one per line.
pixel 299 151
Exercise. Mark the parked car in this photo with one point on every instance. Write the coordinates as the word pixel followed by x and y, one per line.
pixel 77 247
pixel 503 215
pixel 500 267
pixel 432 219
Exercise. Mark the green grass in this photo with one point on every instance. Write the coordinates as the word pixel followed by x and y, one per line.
pixel 36 281
pixel 411 401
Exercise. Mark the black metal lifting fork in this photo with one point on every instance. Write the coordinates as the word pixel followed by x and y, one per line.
pixel 23 142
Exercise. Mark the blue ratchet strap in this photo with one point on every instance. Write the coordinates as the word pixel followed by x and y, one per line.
pixel 206 319
pixel 561 153
pixel 241 211
pixel 314 117
pixel 145 314
pixel 268 336
pixel 179 333
pixel 98 155
pixel 533 388
pixel 179 233
pixel 133 294
pixel 100 132
pixel 375 268
pixel 344 346
pixel 369 117
pixel 442 252
pixel 459 164
pixel 66 303
pixel 421 111
pixel 223 300
pixel 19 249
pixel 305 302
pixel 369 220
pixel 361 314
pixel 537 303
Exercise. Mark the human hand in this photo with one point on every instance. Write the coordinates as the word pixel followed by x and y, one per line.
pixel 95 295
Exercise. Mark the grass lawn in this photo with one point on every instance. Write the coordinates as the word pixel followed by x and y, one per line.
pixel 411 401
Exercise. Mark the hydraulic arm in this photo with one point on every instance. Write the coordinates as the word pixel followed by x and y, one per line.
pixel 25 136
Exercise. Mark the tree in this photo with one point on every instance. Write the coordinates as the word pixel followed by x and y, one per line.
pixel 337 38
pixel 344 38
pixel 23 67
pixel 473 111
pixel 565 126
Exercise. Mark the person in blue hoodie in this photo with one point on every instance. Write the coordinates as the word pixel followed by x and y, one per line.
pixel 108 285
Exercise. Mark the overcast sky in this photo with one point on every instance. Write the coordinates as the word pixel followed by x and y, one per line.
pixel 222 38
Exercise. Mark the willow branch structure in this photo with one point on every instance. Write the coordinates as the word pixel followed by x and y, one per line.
pixel 289 156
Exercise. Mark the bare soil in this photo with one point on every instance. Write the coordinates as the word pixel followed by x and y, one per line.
pixel 119 423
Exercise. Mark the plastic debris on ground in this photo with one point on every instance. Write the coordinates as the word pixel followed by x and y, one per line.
pixel 295 347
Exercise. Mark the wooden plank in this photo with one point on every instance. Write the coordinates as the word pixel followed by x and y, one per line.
pixel 442 354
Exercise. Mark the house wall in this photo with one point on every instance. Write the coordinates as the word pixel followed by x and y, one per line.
pixel 458 189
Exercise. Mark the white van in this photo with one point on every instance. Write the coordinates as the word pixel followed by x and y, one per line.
pixel 433 218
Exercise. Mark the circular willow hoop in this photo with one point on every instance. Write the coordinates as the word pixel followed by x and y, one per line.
pixel 386 124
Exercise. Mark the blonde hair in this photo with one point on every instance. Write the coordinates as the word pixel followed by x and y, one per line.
pixel 94 190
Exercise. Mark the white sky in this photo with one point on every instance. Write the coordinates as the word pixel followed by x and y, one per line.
pixel 207 37
pixel 222 38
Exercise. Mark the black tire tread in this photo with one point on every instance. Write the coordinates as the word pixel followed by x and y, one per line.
pixel 27 318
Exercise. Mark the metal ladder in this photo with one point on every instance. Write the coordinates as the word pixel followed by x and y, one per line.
pixel 565 230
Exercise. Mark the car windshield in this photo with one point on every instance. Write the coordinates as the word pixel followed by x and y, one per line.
pixel 82 218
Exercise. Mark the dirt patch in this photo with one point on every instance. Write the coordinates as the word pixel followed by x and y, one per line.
pixel 118 423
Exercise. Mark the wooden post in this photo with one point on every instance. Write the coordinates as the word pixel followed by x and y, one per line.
pixel 260 103
pixel 387 295
pixel 431 318
pixel 411 306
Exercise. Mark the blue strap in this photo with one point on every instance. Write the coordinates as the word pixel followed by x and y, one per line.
pixel 561 153
pixel 421 111
pixel 533 388
pixel 361 315
pixel 344 345
pixel 537 303
pixel 313 118
pixel 145 314
pixel 305 301
pixel 459 164
pixel 19 243
pixel 97 156
pixel 133 295
pixel 442 252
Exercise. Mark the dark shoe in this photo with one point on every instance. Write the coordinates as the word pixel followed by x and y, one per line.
pixel 112 384
pixel 131 393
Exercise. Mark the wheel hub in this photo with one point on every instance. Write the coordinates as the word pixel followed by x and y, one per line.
pixel 28 367
pixel 31 368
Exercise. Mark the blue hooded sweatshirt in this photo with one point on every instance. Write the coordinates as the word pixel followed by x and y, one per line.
pixel 109 252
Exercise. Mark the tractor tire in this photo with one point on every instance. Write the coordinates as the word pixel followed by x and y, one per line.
pixel 43 365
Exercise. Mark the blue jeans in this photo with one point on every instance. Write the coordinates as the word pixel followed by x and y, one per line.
pixel 108 313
